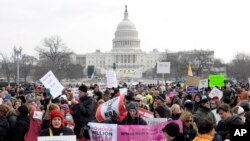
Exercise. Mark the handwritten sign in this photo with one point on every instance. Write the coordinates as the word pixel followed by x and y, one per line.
pixel 51 82
pixel 203 83
pixel 111 79
pixel 216 92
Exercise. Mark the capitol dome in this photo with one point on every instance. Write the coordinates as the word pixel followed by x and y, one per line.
pixel 126 35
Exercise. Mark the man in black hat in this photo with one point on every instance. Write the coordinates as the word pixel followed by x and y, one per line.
pixel 160 101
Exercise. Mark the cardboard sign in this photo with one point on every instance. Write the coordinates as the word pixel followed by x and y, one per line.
pixel 51 82
pixel 111 79
pixel 203 83
pixel 216 80
pixel 57 138
pixel 193 81
pixel 216 92
pixel 111 107
pixel 102 132
pixel 163 67
pixel 38 115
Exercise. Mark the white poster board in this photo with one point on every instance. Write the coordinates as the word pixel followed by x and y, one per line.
pixel 123 91
pixel 111 79
pixel 163 67
pixel 216 92
pixel 249 80
pixel 57 138
pixel 203 83
pixel 51 82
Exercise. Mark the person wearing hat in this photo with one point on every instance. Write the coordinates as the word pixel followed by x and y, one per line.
pixel 83 111
pixel 172 132
pixel 160 101
pixel 133 117
pixel 56 127
pixel 22 124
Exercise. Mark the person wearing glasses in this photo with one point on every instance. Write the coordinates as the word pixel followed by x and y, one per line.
pixel 189 126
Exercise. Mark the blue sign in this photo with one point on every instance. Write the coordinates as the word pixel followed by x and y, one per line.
pixel 192 89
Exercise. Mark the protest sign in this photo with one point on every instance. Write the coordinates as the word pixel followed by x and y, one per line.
pixel 145 113
pixel 38 115
pixel 192 89
pixel 216 92
pixel 193 81
pixel 203 83
pixel 248 80
pixel 163 67
pixel 114 106
pixel 123 91
pixel 102 132
pixel 111 79
pixel 153 121
pixel 216 80
pixel 50 82
pixel 57 138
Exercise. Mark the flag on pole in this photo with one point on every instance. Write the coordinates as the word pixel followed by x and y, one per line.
pixel 190 73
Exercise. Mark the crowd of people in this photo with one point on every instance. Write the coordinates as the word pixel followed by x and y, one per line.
pixel 204 118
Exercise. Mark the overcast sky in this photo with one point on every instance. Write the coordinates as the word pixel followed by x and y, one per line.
pixel 87 25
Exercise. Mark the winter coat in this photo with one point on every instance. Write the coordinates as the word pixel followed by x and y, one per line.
pixel 4 129
pixel 181 137
pixel 21 127
pixel 34 129
pixel 83 112
pixel 57 132
pixel 12 117
pixel 203 137
pixel 189 132
pixel 224 126
pixel 137 121
pixel 203 112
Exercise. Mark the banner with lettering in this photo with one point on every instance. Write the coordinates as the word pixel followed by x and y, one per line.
pixel 57 138
pixel 153 121
pixel 102 132
pixel 144 133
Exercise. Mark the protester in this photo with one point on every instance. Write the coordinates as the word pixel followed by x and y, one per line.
pixel 206 131
pixel 56 127
pixel 172 132
pixel 189 126
pixel 4 124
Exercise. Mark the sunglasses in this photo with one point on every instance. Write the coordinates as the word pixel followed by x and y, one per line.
pixel 189 121
pixel 137 100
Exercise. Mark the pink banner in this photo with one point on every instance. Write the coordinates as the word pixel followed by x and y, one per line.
pixel 141 132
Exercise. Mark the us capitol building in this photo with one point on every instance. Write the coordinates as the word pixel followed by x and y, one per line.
pixel 126 55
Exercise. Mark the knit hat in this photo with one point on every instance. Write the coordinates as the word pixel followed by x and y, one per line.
pixel 172 129
pixel 83 88
pixel 162 97
pixel 245 105
pixel 132 105
pixel 23 110
pixel 56 113
pixel 189 104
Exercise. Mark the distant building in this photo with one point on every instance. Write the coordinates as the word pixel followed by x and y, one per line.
pixel 126 56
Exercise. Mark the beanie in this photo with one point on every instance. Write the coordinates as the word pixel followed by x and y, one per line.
pixel 83 88
pixel 245 105
pixel 172 129
pixel 23 110
pixel 132 105
pixel 162 97
pixel 56 113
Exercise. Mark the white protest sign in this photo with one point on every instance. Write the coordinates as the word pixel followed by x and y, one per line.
pixel 1 101
pixel 123 91
pixel 111 79
pixel 153 121
pixel 38 115
pixel 102 132
pixel 163 67
pixel 203 83
pixel 75 92
pixel 57 138
pixel 216 92
pixel 50 82
pixel 249 80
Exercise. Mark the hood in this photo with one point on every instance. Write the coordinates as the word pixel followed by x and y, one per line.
pixel 232 119
pixel 4 122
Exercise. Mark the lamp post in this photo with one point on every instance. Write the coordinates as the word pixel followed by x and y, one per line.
pixel 17 55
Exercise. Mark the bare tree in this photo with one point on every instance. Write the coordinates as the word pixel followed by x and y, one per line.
pixel 8 68
pixel 54 55
pixel 239 67
pixel 26 65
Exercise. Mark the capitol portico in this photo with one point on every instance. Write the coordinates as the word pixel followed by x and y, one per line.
pixel 126 55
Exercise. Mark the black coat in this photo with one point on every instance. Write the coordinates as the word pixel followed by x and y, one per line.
pixel 189 132
pixel 83 113
pixel 137 121
pixel 21 127
pixel 4 129
pixel 57 132
pixel 224 126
